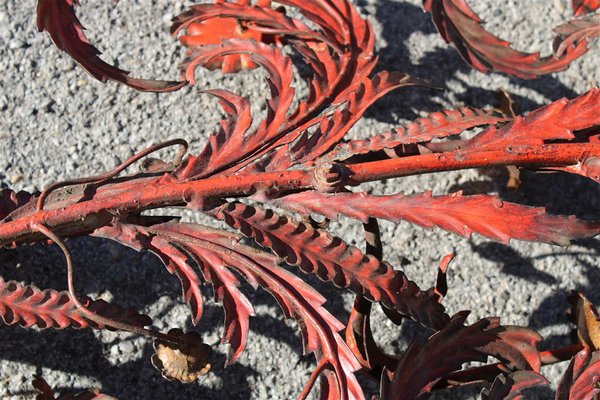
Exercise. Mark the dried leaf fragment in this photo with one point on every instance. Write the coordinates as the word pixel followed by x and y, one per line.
pixel 185 361
pixel 585 316
pixel 46 392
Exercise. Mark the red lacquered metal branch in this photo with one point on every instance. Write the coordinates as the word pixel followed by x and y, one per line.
pixel 113 173
pixel 75 215
pixel 541 156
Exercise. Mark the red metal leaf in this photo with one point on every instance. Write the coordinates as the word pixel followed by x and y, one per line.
pixel 173 259
pixel 556 121
pixel 581 7
pixel 46 392
pixel 57 17
pixel 213 31
pixel 360 340
pixel 301 302
pixel 279 69
pixel 335 76
pixel 422 366
pixel 509 387
pixel 332 129
pixel 589 166
pixel 174 255
pixel 574 32
pixel 487 215
pixel 315 251
pixel 328 72
pixel 29 306
pixel 580 381
pixel 176 263
pixel 206 24
pixel 226 144
pixel 216 252
pixel 437 125
pixel 459 25
pixel 11 200
pixel 238 309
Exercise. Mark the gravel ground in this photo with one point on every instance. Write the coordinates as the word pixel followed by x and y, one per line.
pixel 56 122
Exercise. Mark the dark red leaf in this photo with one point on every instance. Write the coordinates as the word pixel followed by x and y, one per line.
pixel 580 381
pixel 10 201
pixel 459 25
pixel 509 387
pixel 574 32
pixel 361 341
pixel 46 392
pixel 422 366
pixel 301 302
pixel 174 256
pixel 173 259
pixel 238 309
pixel 57 17
pixel 218 252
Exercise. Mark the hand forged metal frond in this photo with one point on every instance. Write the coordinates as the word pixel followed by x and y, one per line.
pixel 459 24
pixel 297 158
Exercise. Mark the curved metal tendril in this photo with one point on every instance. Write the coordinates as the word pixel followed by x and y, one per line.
pixel 98 319
pixel 111 174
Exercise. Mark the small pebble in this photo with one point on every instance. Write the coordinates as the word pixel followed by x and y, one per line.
pixel 16 178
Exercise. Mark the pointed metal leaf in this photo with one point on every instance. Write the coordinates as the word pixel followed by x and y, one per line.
pixel 316 252
pixel 580 380
pixel 486 215
pixel 422 366
pixel 28 306
pixel 459 25
pixel 436 125
pixel 509 387
pixel 57 17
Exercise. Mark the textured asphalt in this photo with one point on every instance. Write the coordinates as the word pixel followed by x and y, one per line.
pixel 56 122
